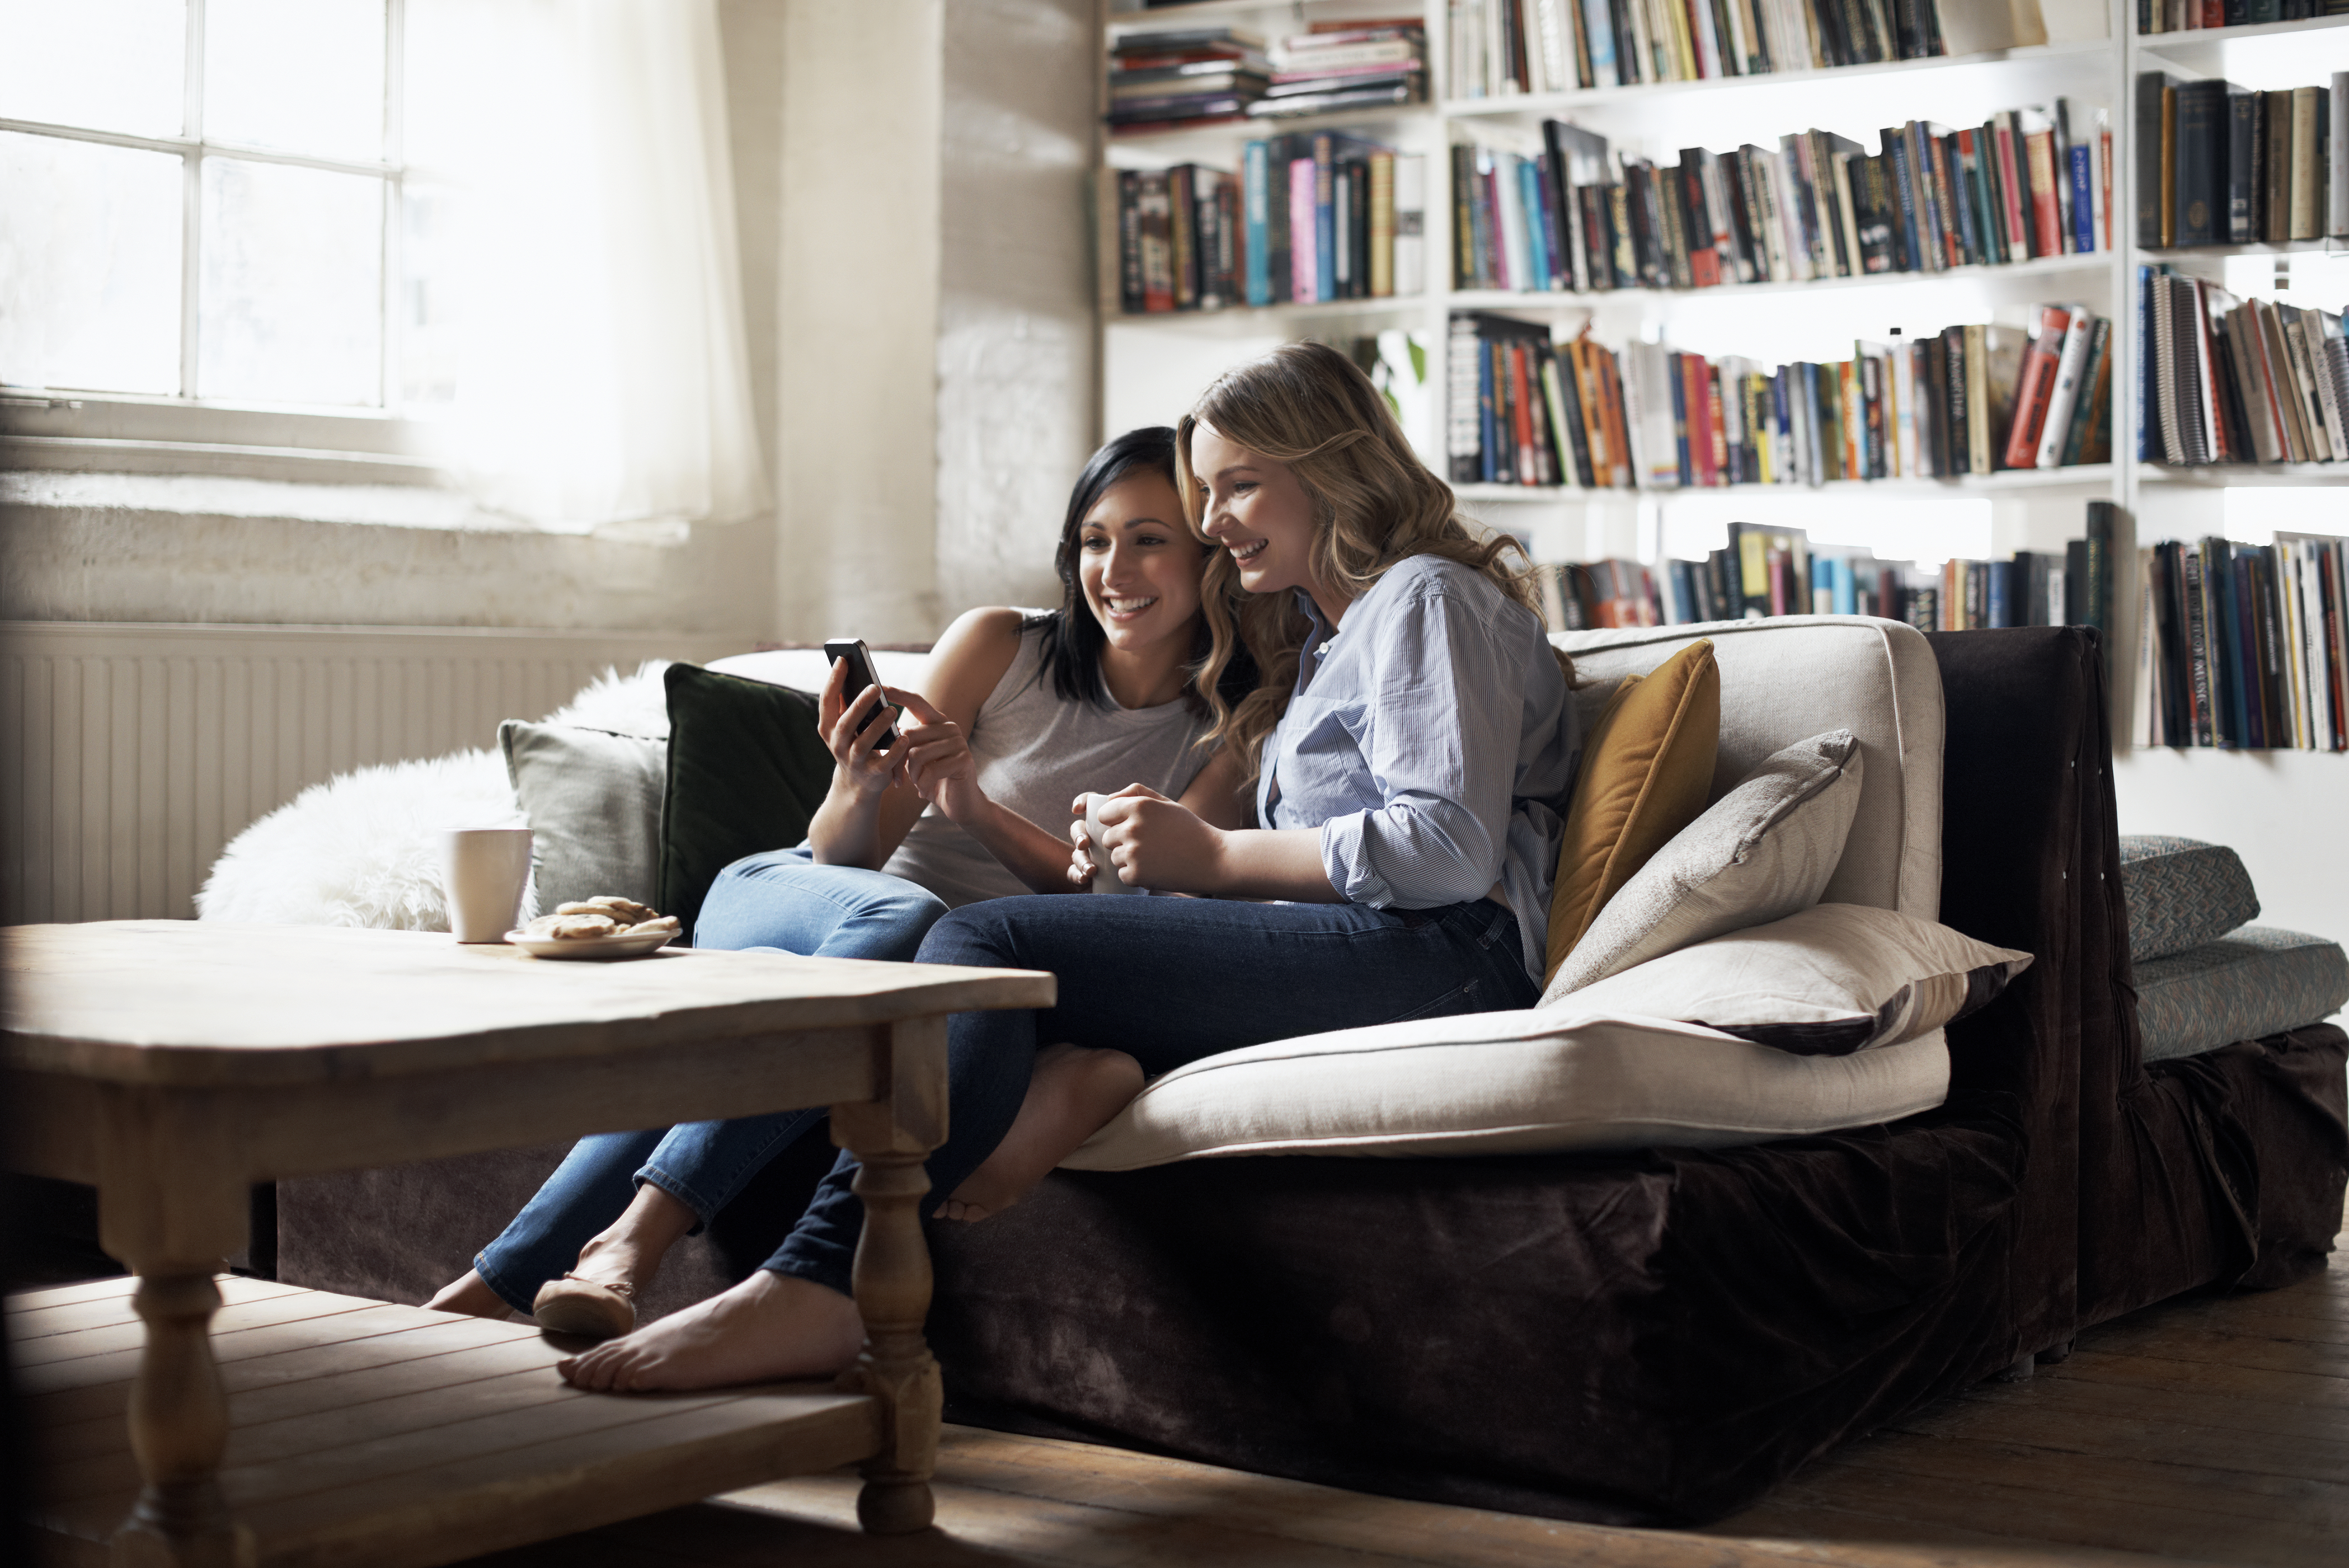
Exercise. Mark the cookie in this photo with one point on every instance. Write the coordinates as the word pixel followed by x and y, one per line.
pixel 573 927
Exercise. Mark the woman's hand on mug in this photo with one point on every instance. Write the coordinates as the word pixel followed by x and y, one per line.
pixel 862 769
pixel 1156 843
pixel 1081 859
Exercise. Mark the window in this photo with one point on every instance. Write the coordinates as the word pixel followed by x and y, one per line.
pixel 489 243
pixel 202 202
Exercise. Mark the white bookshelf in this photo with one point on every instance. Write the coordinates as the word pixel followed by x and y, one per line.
pixel 1161 361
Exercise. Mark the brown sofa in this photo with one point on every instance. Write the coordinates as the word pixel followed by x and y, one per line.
pixel 1644 1337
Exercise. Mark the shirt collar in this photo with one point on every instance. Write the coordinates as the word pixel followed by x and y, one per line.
pixel 1323 634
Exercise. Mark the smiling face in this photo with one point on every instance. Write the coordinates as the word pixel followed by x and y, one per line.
pixel 1138 564
pixel 1255 509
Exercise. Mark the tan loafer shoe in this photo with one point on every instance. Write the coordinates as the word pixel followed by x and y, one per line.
pixel 588 1308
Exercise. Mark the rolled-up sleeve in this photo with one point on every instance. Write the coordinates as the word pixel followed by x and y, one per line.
pixel 1441 729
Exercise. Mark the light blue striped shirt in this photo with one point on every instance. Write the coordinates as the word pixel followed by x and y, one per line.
pixel 1431 741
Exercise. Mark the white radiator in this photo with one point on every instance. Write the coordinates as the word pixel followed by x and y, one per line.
pixel 133 752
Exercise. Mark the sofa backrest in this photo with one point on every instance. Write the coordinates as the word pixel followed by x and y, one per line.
pixel 807 669
pixel 1789 678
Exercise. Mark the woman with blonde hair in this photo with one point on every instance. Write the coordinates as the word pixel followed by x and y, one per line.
pixel 1410 745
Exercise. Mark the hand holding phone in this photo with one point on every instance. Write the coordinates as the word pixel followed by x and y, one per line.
pixel 852 651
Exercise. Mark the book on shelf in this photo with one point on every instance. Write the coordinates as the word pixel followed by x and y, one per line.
pixel 2241 167
pixel 2194 16
pixel 1498 49
pixel 1346 65
pixel 1307 217
pixel 2241 646
pixel 2249 380
pixel 1578 217
pixel 1526 411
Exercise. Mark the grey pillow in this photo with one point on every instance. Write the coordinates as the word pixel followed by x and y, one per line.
pixel 593 800
pixel 2181 894
pixel 1765 850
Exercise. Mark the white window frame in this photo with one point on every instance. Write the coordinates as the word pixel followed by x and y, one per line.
pixel 97 430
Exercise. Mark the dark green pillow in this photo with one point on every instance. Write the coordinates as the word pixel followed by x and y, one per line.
pixel 746 771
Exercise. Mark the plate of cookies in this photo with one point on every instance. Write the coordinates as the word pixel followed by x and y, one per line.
pixel 605 928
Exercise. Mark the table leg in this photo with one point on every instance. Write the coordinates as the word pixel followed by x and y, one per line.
pixel 890 1139
pixel 178 1430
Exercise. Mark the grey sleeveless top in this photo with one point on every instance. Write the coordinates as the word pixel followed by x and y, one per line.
pixel 1036 752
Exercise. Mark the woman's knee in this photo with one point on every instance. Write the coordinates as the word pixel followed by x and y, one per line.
pixel 972 935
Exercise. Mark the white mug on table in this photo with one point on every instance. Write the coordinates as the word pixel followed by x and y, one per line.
pixel 484 871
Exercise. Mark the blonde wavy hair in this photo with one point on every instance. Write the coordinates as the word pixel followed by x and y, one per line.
pixel 1310 406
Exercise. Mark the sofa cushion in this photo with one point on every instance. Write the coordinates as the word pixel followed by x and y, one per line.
pixel 2249 984
pixel 1645 771
pixel 1509 1083
pixel 1761 852
pixel 594 800
pixel 1835 979
pixel 2182 893
pixel 1791 676
pixel 746 771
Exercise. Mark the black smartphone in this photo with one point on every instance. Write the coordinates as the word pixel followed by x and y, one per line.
pixel 859 660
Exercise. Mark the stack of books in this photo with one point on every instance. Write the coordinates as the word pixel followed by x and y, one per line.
pixel 1306 219
pixel 2242 645
pixel 2026 183
pixel 1199 76
pixel 2238 381
pixel 1765 571
pixel 2223 165
pixel 1347 65
pixel 2191 16
pixel 1503 47
pixel 1969 399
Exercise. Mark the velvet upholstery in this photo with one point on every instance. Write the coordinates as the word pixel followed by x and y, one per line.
pixel 1649 1337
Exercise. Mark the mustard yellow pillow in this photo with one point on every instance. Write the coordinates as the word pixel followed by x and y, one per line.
pixel 1647 768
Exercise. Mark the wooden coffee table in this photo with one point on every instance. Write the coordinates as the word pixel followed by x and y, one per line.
pixel 172 1064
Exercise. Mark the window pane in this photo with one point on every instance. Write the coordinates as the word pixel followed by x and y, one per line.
pixel 291 301
pixel 301 76
pixel 109 65
pixel 89 266
pixel 430 251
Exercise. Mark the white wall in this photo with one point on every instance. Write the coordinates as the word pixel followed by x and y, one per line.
pixel 1014 328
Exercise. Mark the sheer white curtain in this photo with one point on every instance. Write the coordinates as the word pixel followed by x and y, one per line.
pixel 573 242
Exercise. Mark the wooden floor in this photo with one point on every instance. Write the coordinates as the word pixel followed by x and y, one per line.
pixel 2210 1431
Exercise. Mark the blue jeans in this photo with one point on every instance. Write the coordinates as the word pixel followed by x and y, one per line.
pixel 1169 981
pixel 780 900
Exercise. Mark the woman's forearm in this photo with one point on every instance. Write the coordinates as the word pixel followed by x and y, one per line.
pixel 847 830
pixel 1273 862
pixel 1027 851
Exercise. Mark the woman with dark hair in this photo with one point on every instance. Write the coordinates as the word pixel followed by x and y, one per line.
pixel 1411 743
pixel 1023 712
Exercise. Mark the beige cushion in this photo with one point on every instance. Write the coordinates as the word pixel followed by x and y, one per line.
pixel 1793 675
pixel 1510 1083
pixel 1834 979
pixel 1763 851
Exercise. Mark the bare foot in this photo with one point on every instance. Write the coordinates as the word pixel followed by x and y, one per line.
pixel 770 1326
pixel 472 1296
pixel 1071 1095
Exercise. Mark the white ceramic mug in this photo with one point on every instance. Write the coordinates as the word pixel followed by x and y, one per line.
pixel 485 870
pixel 1105 879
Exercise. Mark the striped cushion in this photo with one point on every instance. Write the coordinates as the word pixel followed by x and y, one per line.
pixel 2181 894
pixel 2256 981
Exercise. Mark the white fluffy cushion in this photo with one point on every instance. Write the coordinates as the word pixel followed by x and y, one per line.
pixel 362 849
pixel 1510 1083
pixel 1763 851
pixel 1834 979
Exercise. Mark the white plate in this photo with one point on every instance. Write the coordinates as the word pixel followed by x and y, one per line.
pixel 627 945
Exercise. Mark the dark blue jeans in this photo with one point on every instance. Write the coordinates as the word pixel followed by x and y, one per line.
pixel 1168 980
pixel 783 901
